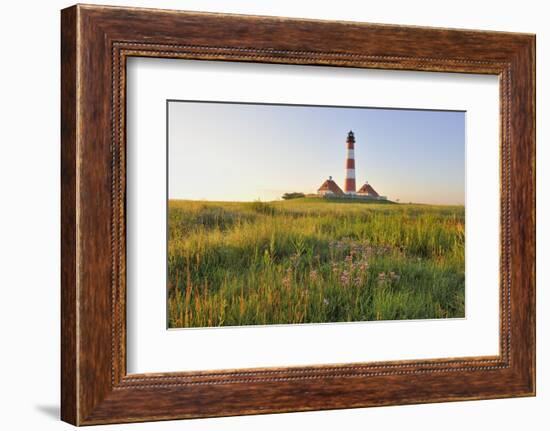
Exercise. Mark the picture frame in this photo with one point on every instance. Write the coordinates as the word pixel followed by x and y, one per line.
pixel 96 42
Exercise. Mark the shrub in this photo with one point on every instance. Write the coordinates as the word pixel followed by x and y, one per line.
pixel 293 195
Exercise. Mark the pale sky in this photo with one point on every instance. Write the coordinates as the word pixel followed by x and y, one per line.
pixel 245 152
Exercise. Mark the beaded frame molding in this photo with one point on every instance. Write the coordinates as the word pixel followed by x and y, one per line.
pixel 95 43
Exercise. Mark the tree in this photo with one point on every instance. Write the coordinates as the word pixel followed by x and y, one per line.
pixel 293 195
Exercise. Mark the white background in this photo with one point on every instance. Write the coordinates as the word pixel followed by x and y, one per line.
pixel 29 225
pixel 151 348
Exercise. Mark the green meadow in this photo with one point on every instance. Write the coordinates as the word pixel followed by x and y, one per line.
pixel 312 260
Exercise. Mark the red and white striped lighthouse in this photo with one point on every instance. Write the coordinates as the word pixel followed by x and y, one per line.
pixel 350 164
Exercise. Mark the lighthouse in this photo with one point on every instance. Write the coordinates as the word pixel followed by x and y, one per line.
pixel 349 187
pixel 330 190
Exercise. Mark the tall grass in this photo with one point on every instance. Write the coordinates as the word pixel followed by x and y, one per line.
pixel 309 260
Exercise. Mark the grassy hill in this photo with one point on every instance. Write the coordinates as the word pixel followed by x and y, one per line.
pixel 313 260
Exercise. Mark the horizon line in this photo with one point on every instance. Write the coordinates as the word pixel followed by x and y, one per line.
pixel 316 197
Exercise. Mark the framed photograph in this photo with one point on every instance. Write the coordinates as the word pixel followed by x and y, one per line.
pixel 264 214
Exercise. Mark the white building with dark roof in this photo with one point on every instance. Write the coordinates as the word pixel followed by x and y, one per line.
pixel 368 191
pixel 330 189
